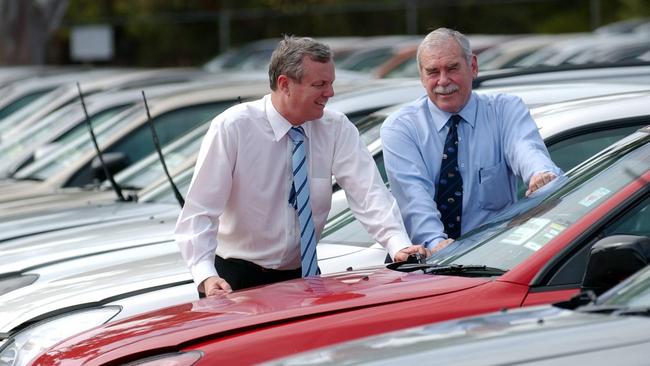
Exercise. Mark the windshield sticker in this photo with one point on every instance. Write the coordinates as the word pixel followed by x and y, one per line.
pixel 526 231
pixel 594 196
pixel 533 246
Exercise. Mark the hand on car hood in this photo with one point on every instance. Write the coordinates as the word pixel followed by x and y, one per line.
pixel 255 307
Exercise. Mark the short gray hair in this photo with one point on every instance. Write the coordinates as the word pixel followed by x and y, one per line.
pixel 442 35
pixel 288 55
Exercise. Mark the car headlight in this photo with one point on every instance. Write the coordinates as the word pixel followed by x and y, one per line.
pixel 22 347
pixel 170 359
pixel 10 283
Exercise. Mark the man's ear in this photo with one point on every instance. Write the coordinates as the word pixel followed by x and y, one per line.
pixel 474 66
pixel 283 84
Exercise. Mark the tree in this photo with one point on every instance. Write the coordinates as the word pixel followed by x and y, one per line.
pixel 25 27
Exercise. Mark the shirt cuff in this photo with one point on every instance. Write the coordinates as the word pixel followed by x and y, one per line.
pixel 432 243
pixel 556 170
pixel 397 243
pixel 201 271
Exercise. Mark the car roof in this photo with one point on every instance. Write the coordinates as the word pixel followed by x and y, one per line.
pixel 572 115
pixel 627 72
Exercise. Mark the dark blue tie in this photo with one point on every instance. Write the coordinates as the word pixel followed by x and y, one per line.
pixel 449 192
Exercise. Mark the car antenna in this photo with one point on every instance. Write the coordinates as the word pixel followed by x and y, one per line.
pixel 156 142
pixel 107 173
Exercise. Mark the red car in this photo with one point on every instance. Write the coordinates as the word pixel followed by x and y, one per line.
pixel 536 253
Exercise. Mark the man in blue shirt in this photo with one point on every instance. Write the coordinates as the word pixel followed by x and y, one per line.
pixel 492 141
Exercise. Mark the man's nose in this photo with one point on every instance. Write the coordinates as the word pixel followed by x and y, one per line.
pixel 329 91
pixel 442 78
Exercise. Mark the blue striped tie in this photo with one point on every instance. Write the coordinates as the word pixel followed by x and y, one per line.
pixel 302 205
pixel 449 191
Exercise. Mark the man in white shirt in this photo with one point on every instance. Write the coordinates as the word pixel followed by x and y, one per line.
pixel 246 202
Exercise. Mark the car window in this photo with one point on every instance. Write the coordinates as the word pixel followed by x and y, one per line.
pixel 35 134
pixel 34 105
pixel 369 128
pixel 139 143
pixel 358 116
pixel 635 294
pixel 367 61
pixel 163 193
pixel 568 152
pixel 150 169
pixel 96 120
pixel 408 68
pixel 636 221
pixel 21 102
pixel 571 151
pixel 53 163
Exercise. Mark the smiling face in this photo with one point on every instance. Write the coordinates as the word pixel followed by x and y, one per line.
pixel 304 100
pixel 447 76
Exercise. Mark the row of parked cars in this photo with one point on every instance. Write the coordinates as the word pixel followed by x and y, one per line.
pixel 394 56
pixel 90 274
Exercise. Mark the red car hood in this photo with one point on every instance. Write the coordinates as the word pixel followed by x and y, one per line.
pixel 241 311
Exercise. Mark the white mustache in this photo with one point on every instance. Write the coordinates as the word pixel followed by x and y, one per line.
pixel 446 89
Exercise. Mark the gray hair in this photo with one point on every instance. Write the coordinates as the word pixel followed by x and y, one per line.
pixel 442 35
pixel 288 55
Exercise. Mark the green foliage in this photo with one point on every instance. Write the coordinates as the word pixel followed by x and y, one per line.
pixel 634 9
pixel 186 32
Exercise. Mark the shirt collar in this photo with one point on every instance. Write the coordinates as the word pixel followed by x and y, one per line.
pixel 278 123
pixel 468 113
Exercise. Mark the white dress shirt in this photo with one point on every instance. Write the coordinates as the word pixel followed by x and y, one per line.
pixel 238 205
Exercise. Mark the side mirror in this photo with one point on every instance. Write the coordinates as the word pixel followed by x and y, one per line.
pixel 115 161
pixel 613 259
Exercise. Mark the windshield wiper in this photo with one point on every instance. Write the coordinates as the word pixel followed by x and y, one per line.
pixel 449 270
pixel 616 310
pixel 30 179
pixel 642 311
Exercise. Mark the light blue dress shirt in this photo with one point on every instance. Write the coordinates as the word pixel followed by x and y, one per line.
pixel 498 141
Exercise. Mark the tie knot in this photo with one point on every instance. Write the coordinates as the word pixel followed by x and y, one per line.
pixel 454 120
pixel 297 134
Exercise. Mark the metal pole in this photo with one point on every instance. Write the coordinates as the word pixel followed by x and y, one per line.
pixel 412 17
pixel 224 30
pixel 595 13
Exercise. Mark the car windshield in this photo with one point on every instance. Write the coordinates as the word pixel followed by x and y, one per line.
pixel 35 133
pixel 73 151
pixel 42 102
pixel 163 193
pixel 533 222
pixel 22 101
pixel 150 169
pixel 58 123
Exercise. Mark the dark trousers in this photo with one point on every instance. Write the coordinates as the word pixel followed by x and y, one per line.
pixel 241 274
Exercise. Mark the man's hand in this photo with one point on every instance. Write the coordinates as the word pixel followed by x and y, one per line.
pixel 404 253
pixel 216 286
pixel 538 181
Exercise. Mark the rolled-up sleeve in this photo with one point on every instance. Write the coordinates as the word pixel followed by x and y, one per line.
pixel 523 145
pixel 415 195
pixel 367 195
